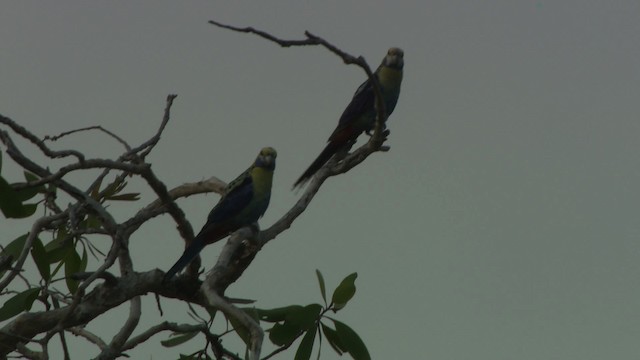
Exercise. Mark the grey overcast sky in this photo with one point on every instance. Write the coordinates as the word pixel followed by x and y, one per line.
pixel 503 223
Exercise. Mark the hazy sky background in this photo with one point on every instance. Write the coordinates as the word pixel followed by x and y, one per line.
pixel 503 223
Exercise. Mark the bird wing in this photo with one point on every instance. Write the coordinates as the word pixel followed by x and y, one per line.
pixel 237 196
pixel 362 101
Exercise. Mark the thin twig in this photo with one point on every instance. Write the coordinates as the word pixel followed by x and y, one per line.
pixel 95 127
pixel 39 143
pixel 89 336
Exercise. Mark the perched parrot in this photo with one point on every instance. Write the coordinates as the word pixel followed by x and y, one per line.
pixel 244 201
pixel 360 114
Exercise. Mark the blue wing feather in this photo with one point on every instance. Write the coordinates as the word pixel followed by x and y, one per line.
pixel 221 219
pixel 362 101
pixel 233 202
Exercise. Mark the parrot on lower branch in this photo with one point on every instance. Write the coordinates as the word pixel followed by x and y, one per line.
pixel 244 201
pixel 360 114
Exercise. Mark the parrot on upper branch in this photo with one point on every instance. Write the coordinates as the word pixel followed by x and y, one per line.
pixel 360 114
pixel 245 200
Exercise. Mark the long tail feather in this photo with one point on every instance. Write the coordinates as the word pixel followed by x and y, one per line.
pixel 189 254
pixel 322 159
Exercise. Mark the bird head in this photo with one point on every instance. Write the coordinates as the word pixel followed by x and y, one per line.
pixel 394 58
pixel 267 158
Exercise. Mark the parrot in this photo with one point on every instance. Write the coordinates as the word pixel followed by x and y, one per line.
pixel 360 115
pixel 244 201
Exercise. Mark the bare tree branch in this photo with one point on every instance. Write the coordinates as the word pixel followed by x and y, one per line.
pixel 164 326
pixel 100 300
pixel 89 336
pixel 377 138
pixel 146 147
pixel 114 349
pixel 237 254
pixel 95 127
pixel 39 143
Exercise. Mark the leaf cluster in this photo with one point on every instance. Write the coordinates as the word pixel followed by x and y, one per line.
pixel 310 323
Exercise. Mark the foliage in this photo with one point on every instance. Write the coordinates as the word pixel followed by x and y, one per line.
pixel 293 322
pixel 49 266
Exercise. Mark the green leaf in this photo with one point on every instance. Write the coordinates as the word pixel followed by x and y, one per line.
pixel 297 320
pixel 18 303
pixel 28 210
pixel 283 334
pixel 95 191
pixel 39 255
pixel 115 187
pixel 306 345
pixel 351 341
pixel 323 290
pixel 344 292
pixel 125 197
pixel 26 193
pixel 15 247
pixel 305 317
pixel 11 202
pixel 332 337
pixel 72 265
pixel 58 248
pixel 30 177
pixel 30 192
pixel 178 338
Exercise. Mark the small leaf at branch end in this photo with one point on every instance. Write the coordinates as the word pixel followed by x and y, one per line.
pixel 15 247
pixel 344 292
pixel 125 197
pixel 306 345
pixel 18 303
pixel 72 264
pixel 178 338
pixel 11 202
pixel 95 192
pixel 30 177
pixel 39 255
pixel 58 248
pixel 28 193
pixel 13 250
pixel 323 290
pixel 351 341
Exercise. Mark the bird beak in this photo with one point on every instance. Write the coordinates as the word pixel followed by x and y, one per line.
pixel 394 58
pixel 269 159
